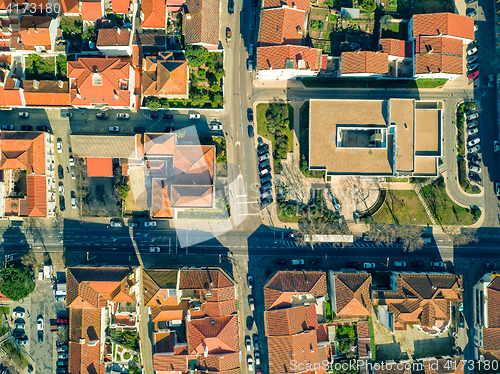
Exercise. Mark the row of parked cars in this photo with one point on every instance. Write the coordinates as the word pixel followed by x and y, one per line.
pixel 266 185
pixel 248 341
pixel 472 63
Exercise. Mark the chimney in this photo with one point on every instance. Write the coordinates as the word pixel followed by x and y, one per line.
pixel 34 27
pixel 434 288
pixel 81 341
pixel 118 31
pixel 212 321
pixel 205 351
pixel 36 84
pixel 60 84
pixel 188 16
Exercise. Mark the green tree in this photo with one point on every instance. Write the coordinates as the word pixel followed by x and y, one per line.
pixel 16 280
pixel 90 34
pixel 153 104
pixel 385 21
pixel 134 370
pixel 368 6
pixel 122 190
pixel 62 63
pixel 129 339
pixel 196 55
pixel 71 25
pixel 346 17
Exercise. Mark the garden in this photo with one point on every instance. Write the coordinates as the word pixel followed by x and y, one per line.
pixel 395 30
pixel 401 207
pixel 409 7
pixel 461 137
pixel 345 338
pixel 48 68
pixel 206 73
pixel 275 123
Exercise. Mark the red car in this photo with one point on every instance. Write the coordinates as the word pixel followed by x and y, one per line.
pixel 62 321
pixel 154 115
pixel 474 74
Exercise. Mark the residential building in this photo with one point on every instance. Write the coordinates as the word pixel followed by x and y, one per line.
pixel 200 23
pixel 165 75
pixel 96 296
pixel 439 40
pixel 364 63
pixel 45 93
pixel 115 42
pixel 153 14
pixel 351 295
pixel 122 6
pixel 282 26
pixel 486 318
pixel 27 174
pixel 38 33
pixel 421 300
pixel 375 137
pixel 101 82
pixel 91 10
pixel 196 324
pixel 294 304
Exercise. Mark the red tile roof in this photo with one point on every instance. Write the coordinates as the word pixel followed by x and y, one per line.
pixel 154 14
pixel 161 206
pixel 163 75
pixel 395 47
pixel 194 164
pixel 112 38
pixel 35 31
pixel 284 284
pixel 37 195
pixel 443 24
pixel 163 362
pixel 452 365
pixel 204 279
pixel 491 338
pixel 175 6
pixel 121 6
pixel 299 4
pixel 288 57
pixel 352 295
pixel 91 10
pixel 23 150
pixel 226 363
pixel 365 62
pixel 10 95
pixel 289 321
pixel 99 167
pixel 84 324
pixel 218 334
pixel 202 24
pixel 433 44
pixel 438 63
pixel 156 286
pixel 281 26
pixel 159 144
pixel 69 6
pixel 48 93
pixel 99 81
pixel 494 303
pixel 191 196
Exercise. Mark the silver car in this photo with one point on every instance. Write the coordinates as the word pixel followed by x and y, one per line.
pixel 476 148
pixel 475 169
pixel 473 142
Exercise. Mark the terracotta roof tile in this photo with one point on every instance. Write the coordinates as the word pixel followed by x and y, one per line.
pixel 122 6
pixel 293 283
pixel 433 45
pixel 281 26
pixel 37 195
pixel 164 341
pixel 365 62
pixel 165 76
pixel 219 363
pixel 286 321
pixel 194 165
pixel 159 144
pixel 111 37
pixel 494 303
pixel 202 279
pixel 157 280
pixel 161 206
pixel 86 324
pixel 352 295
pixel 191 196
pixel 165 363
pixel 69 6
pixel 312 316
pixel 23 150
pixel 150 38
pixel 288 57
pixel 491 338
pixel 299 4
pixel 202 25
pixel 48 93
pixel 443 24
pixel 154 14
pixel 99 167
pixel 91 10
pixel 35 31
pixel 99 81
pixel 217 334
pixel 395 47
pixel 453 365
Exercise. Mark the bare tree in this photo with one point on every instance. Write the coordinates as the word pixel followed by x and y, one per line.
pixel 411 236
pixel 29 259
pixel 460 235
pixel 311 227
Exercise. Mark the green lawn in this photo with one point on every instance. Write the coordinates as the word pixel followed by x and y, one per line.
pixel 389 179
pixel 14 354
pixel 396 30
pixel 373 83
pixel 4 310
pixel 40 68
pixel 304 144
pixel 445 211
pixel 401 207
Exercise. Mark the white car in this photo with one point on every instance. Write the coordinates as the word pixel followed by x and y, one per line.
pixel 215 127
pixel 24 114
pixel 248 344
pixel 472 116
pixel 250 281
pixel 114 129
pixel 72 170
pixel 471 51
pixel 59 145
pixel 18 314
pixel 473 142
pixel 19 326
pixel 369 265
pixel 150 224
pixel 154 249
pixel 250 363
pixel 71 161
pixel 122 116
pixel 194 116
pixel 496 146
pixel 437 264
pixel 475 169
pixel 476 148
pixel 39 323
pixel 265 156
pixel 257 358
pixel 61 188
pixel 473 131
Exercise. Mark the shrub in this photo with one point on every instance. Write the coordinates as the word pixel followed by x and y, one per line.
pixel 201 73
pixel 126 355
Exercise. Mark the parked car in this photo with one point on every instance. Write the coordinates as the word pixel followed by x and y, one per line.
pixel 250 65
pixel 354 265
pixel 250 322
pixel 114 129
pixel 168 116
pixel 7 127
pixel 462 321
pixel 62 363
pixel 215 126
pixel 101 115
pixel 39 323
pixel 18 313
pixel 472 131
pixel 473 142
pixel 250 363
pixel 40 336
pixel 42 128
pixel 267 184
pixel 461 307
pixel 257 358
pixel 298 262
pixel 24 115
pixel 71 161
pixel 250 131
pixel 68 115
pixel 497 189
pixel 437 264
pixel 491 81
pixel 250 281
pixel 62 203
pixel 475 169
pixel 490 265
pixel 256 342
pixel 471 51
pixel 335 202
pixel 251 303
pixel 265 156
pixel 266 178
pixel 471 12
pixel 63 348
pixel 194 116
pixel 264 164
pixel 263 148
pixel 140 129
pixel 267 193
pixel 122 116
pixel 59 145
pixel 369 265
pixel 472 124
pixel 153 115
pixel 154 249
pixel 472 58
pixel 116 224
pixel 417 264
pixel 230 7
pixel 473 66
pixel 250 115
pixel 62 356
pixel 250 49
pixel 473 75
pixel 150 224
pixel 474 157
pixel 22 341
pixel 19 325
pixel 266 201
pixel 132 224
pixel 264 171
pixel 248 343
pixel 399 264
pixel 228 34
pixel 61 188
pixel 26 128
pixel 72 172
pixel 476 148
pixel 60 171
pixel 496 146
